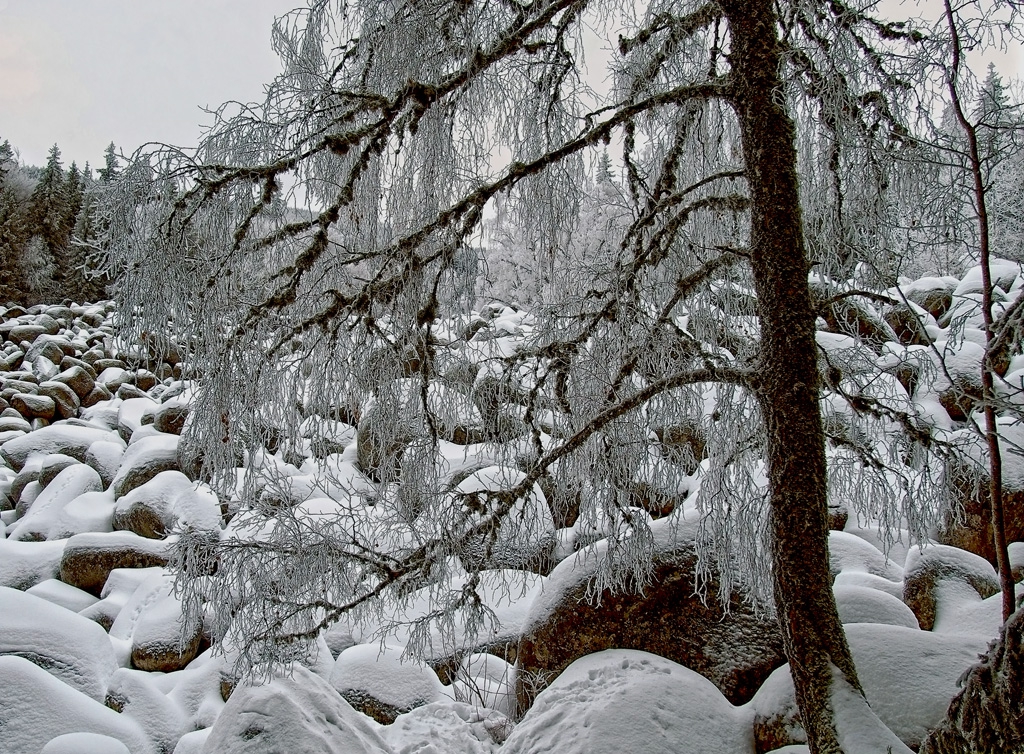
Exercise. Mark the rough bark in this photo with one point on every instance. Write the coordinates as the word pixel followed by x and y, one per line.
pixel 812 632
pixel 988 715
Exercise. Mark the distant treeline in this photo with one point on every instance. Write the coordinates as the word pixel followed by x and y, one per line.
pixel 49 224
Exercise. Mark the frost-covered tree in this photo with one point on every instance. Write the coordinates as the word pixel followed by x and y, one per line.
pixel 395 124
pixel 111 165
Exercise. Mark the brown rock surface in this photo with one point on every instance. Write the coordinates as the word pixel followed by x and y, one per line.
pixel 735 650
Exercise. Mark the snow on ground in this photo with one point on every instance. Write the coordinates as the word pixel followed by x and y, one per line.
pixel 102 492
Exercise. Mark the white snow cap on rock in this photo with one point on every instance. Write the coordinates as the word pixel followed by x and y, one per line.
pixel 70 647
pixel 298 714
pixel 36 707
pixel 623 700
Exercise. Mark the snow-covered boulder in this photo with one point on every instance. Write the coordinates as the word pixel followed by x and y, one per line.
pixel 170 416
pixel 736 650
pixel 968 524
pixel 48 517
pixel 299 714
pixel 70 439
pixel 52 465
pixel 624 700
pixel 378 682
pixel 202 688
pixel 36 707
pixel 525 538
pixel 848 552
pixel 84 743
pixel 73 649
pixel 909 677
pixel 935 569
pixel 144 460
pixel 25 564
pixel 505 594
pixel 66 596
pixel 89 558
pixel 484 680
pixel 156 507
pixel 861 604
pixel 447 728
pixel 117 590
pixel 105 457
pixel 137 695
pixel 192 743
pixel 162 638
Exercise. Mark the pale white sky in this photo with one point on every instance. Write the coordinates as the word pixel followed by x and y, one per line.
pixel 83 73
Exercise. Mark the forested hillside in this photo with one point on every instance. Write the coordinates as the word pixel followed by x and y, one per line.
pixel 49 225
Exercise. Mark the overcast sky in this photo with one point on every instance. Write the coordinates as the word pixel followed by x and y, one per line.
pixel 83 73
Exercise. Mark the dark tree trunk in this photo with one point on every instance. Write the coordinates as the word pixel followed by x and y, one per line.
pixel 812 632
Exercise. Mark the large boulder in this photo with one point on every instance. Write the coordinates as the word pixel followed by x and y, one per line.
pixel 56 591
pixel 162 636
pixel 933 569
pixel 34 406
pixel 736 649
pixel 105 457
pixel 89 558
pixel 862 604
pixel 68 646
pixel 77 377
pixel 66 400
pixel 36 707
pixel 850 553
pixel 299 714
pixel 70 439
pixel 969 524
pixel 526 537
pixel 84 743
pixel 144 460
pixel 380 683
pixel 25 564
pixel 141 696
pixel 623 700
pixel 48 517
pixel 909 677
pixel 156 507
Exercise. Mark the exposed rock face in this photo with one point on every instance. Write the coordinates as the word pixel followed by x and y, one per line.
pixel 89 558
pixel 928 567
pixel 971 528
pixel 735 650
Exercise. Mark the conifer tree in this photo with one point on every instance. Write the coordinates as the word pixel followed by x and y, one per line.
pixel 48 202
pixel 12 229
pixel 90 282
pixel 111 166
